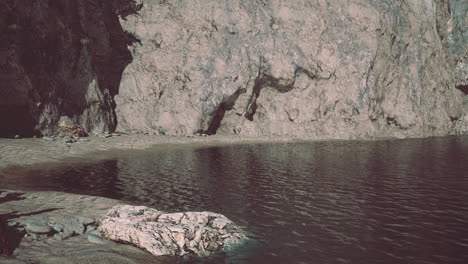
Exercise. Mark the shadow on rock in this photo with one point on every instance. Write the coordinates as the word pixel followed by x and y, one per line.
pixel 61 58
pixel 10 237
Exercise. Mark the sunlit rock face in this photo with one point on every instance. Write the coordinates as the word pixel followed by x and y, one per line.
pixel 308 68
pixel 318 69
pixel 60 58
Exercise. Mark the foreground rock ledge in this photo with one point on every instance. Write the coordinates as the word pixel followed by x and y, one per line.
pixel 188 233
pixel 26 218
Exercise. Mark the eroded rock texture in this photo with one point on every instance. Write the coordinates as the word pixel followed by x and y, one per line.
pixel 60 58
pixel 458 44
pixel 458 41
pixel 309 68
pixel 194 233
pixel 319 69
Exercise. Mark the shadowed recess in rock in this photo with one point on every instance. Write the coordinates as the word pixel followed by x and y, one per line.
pixel 61 58
pixel 463 88
pixel 281 85
pixel 226 105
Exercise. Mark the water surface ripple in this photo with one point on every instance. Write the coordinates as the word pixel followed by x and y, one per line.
pixel 396 201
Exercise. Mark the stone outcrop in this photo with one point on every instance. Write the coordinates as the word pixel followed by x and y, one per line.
pixel 188 233
pixel 26 219
pixel 307 68
pixel 317 69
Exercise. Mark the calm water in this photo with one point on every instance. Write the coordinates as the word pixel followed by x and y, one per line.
pixel 399 201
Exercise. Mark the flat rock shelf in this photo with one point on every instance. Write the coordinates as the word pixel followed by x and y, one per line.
pixel 54 227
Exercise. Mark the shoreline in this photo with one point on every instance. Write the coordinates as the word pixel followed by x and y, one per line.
pixel 19 207
pixel 32 151
pixel 16 205
pixel 36 151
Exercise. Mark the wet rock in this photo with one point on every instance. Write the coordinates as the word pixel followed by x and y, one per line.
pixel 90 229
pixel 96 239
pixel 69 140
pixel 69 227
pixel 161 233
pixel 38 227
pixel 106 135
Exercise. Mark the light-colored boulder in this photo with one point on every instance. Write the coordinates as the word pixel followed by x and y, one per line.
pixel 195 233
pixel 38 227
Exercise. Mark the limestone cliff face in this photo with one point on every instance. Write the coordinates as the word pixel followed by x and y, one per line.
pixel 60 58
pixel 313 68
pixel 309 68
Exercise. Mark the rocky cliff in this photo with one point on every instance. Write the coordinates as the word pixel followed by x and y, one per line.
pixel 309 68
pixel 60 59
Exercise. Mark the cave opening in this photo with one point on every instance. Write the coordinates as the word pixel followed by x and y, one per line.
pixel 226 105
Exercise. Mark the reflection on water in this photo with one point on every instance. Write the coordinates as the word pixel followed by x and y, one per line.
pixel 398 201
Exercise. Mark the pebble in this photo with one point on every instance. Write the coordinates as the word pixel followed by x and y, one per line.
pixel 17 136
pixel 71 226
pixel 69 140
pixel 38 227
pixel 96 239
pixel 57 228
pixel 90 229
pixel 106 135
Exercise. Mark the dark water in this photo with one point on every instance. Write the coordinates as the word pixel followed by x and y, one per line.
pixel 398 201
